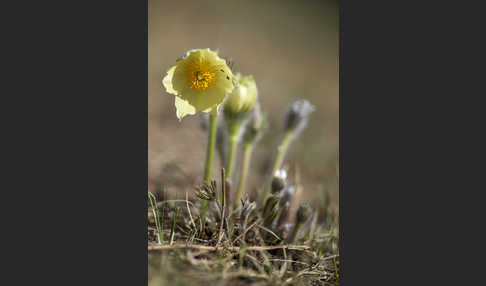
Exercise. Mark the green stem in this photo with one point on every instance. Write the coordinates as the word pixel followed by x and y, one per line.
pixel 232 153
pixel 210 148
pixel 247 149
pixel 209 157
pixel 277 163
pixel 233 129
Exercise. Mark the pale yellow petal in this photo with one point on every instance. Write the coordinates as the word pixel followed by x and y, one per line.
pixel 183 108
pixel 167 81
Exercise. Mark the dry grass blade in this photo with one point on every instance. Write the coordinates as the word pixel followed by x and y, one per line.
pixel 158 220
pixel 189 211
pixel 269 231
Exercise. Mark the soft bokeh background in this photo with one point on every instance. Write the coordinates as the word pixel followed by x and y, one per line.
pixel 291 49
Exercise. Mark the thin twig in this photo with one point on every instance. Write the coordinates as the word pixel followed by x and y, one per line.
pixel 283 269
pixel 231 248
pixel 223 204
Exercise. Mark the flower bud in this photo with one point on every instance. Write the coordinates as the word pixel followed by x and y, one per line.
pixel 287 195
pixel 284 214
pixel 241 100
pixel 277 184
pixel 285 202
pixel 278 181
pixel 303 213
pixel 298 114
pixel 269 207
pixel 247 207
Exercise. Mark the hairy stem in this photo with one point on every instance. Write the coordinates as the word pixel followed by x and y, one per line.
pixel 277 163
pixel 233 140
pixel 209 158
pixel 210 148
pixel 247 150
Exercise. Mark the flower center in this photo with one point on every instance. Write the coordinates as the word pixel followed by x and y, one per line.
pixel 201 80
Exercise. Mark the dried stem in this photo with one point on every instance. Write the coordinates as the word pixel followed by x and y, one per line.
pixel 277 163
pixel 223 204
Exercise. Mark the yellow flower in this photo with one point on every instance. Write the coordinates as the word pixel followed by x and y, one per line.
pixel 242 98
pixel 199 81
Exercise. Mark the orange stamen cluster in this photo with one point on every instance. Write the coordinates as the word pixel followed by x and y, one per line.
pixel 200 77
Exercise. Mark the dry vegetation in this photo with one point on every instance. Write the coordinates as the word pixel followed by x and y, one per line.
pixel 249 246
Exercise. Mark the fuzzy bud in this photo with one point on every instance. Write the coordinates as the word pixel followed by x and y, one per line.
pixel 303 213
pixel 298 114
pixel 277 185
pixel 284 215
pixel 287 195
pixel 270 205
pixel 247 207
pixel 278 181
pixel 241 100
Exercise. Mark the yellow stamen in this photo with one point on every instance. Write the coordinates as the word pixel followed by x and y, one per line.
pixel 200 77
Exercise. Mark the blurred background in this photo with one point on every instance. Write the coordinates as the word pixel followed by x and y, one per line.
pixel 290 47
